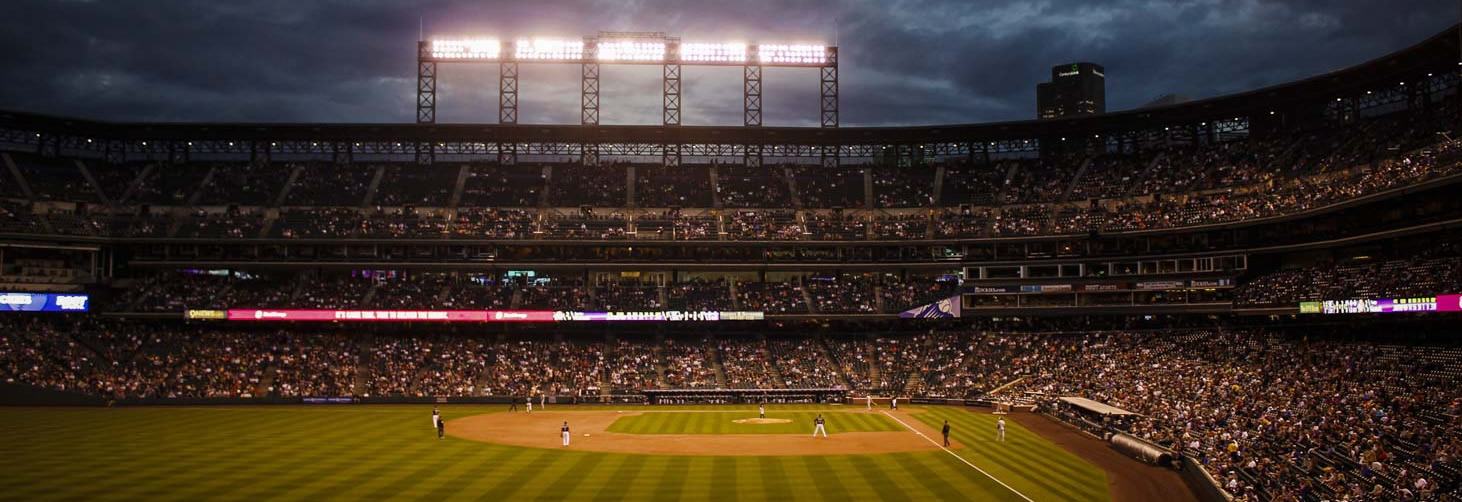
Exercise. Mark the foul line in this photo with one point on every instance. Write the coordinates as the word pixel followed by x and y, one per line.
pixel 961 459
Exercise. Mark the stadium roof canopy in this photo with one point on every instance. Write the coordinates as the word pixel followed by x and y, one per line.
pixel 1096 407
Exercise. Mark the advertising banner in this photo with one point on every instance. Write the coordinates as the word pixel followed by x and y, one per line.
pixel 1449 303
pixel 1309 307
pixel 1149 285
pixel 391 315
pixel 44 302
pixel 1389 305
pixel 467 315
pixel 992 290
pixel 942 309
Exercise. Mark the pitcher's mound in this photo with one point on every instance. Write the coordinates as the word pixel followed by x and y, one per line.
pixel 762 421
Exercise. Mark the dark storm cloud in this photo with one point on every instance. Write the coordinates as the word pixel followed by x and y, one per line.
pixel 903 61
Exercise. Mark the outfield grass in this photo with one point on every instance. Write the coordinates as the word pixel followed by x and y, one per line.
pixel 703 422
pixel 388 452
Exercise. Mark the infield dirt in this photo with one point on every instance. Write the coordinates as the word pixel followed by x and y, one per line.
pixel 541 430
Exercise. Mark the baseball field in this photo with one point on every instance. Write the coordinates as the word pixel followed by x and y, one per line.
pixel 390 452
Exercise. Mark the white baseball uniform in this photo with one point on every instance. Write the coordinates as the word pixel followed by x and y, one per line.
pixel 1000 430
pixel 530 405
pixel 870 402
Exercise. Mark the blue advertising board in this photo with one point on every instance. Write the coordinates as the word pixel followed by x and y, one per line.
pixel 44 302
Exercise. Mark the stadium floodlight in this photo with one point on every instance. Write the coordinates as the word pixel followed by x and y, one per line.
pixel 713 53
pixel 627 50
pixel 542 48
pixel 794 54
pixel 466 49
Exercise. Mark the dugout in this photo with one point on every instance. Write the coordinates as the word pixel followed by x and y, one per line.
pixel 1095 417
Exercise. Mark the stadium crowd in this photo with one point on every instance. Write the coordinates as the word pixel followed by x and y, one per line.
pixel 1104 190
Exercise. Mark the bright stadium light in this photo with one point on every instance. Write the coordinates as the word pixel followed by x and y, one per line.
pixel 631 51
pixel 713 53
pixel 542 48
pixel 466 49
pixel 793 54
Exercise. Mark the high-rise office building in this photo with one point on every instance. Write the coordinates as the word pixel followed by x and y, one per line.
pixel 1074 89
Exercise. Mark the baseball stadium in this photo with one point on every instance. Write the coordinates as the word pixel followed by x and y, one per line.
pixel 1252 295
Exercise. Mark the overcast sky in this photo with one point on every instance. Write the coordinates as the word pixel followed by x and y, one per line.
pixel 902 61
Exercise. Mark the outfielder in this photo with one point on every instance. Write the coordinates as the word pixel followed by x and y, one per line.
pixel 946 433
pixel 819 427
pixel 1000 429
pixel 565 431
pixel 436 417
pixel 870 402
pixel 441 428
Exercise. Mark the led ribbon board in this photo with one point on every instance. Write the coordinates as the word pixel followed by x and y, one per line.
pixel 44 302
pixel 467 315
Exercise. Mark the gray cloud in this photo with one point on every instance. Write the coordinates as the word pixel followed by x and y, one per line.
pixel 903 61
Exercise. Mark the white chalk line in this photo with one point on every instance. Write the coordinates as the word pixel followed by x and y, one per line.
pixel 953 454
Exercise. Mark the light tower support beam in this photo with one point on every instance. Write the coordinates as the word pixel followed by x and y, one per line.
pixel 426 92
pixel 672 94
pixel 590 102
pixel 751 95
pixel 507 88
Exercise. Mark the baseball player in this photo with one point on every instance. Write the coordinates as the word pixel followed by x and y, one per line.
pixel 565 431
pixel 436 417
pixel 530 403
pixel 894 405
pixel 513 403
pixel 1000 429
pixel 762 409
pixel 946 433
pixel 543 401
pixel 819 427
pixel 870 402
pixel 441 428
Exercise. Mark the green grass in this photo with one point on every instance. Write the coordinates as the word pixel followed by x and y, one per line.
pixel 1039 469
pixel 388 452
pixel 703 422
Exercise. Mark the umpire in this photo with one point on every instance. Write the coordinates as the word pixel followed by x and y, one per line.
pixel 441 427
pixel 946 433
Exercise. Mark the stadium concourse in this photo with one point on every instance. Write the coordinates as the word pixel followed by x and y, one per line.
pixel 1249 297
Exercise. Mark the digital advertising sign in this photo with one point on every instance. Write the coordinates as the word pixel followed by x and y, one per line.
pixel 44 302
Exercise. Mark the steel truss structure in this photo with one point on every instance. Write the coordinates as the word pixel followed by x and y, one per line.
pixel 1423 77
pixel 509 54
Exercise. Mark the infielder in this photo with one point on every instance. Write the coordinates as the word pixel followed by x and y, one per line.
pixel 529 409
pixel 1000 429
pixel 436 417
pixel 819 427
pixel 441 428
pixel 762 409
pixel 565 431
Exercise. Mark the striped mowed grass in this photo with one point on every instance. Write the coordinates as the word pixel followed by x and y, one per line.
pixel 716 422
pixel 389 453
